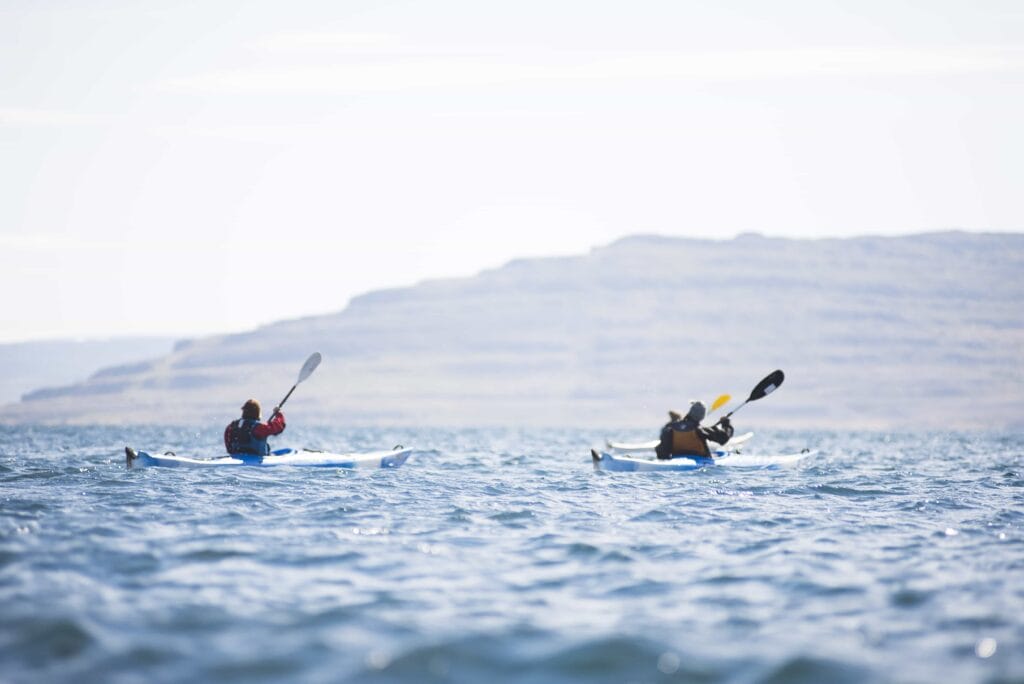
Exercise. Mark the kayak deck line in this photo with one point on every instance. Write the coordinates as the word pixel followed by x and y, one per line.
pixel 616 463
pixel 279 457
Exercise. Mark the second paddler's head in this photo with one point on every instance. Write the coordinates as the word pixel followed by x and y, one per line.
pixel 697 411
pixel 251 410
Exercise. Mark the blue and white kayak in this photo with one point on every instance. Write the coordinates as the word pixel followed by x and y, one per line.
pixel 631 447
pixel 280 457
pixel 616 463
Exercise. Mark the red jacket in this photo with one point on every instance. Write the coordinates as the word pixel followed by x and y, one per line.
pixel 274 426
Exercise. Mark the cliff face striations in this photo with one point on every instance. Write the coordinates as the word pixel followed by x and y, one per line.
pixel 920 332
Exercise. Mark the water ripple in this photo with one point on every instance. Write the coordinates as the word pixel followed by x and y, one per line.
pixel 502 556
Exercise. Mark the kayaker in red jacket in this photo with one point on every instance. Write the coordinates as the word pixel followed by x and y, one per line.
pixel 248 435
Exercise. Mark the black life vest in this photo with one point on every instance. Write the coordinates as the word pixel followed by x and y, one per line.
pixel 241 439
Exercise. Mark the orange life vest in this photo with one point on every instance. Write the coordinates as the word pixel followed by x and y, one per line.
pixel 690 443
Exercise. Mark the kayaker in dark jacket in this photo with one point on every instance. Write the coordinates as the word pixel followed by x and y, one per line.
pixel 683 435
pixel 248 435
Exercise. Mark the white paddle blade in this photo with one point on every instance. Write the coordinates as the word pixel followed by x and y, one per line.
pixel 307 368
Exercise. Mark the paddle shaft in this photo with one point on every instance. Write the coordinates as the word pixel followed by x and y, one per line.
pixel 287 395
pixel 729 414
pixel 307 369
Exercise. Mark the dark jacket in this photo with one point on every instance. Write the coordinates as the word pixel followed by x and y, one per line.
pixel 719 433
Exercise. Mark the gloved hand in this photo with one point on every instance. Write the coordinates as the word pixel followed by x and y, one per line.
pixel 725 422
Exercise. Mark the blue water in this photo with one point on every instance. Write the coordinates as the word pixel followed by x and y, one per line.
pixel 503 557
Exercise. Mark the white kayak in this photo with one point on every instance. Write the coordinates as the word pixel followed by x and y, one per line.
pixel 606 461
pixel 279 457
pixel 629 447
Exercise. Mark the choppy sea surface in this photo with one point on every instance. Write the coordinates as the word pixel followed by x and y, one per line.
pixel 501 556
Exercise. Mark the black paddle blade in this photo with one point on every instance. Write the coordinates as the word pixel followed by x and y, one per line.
pixel 767 386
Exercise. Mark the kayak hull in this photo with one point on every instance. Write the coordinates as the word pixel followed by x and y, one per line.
pixel 632 464
pixel 279 457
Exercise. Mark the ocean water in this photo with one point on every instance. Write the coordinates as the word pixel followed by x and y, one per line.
pixel 501 556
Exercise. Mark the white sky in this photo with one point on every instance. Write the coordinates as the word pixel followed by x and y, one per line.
pixel 190 167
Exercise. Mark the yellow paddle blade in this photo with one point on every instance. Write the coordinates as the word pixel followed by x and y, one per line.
pixel 720 402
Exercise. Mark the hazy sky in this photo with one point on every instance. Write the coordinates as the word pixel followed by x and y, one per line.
pixel 183 167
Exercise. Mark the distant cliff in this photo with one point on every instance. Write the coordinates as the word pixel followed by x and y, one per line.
pixel 919 332
pixel 27 366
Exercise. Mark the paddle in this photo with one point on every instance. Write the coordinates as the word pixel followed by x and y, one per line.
pixel 307 369
pixel 721 401
pixel 763 389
